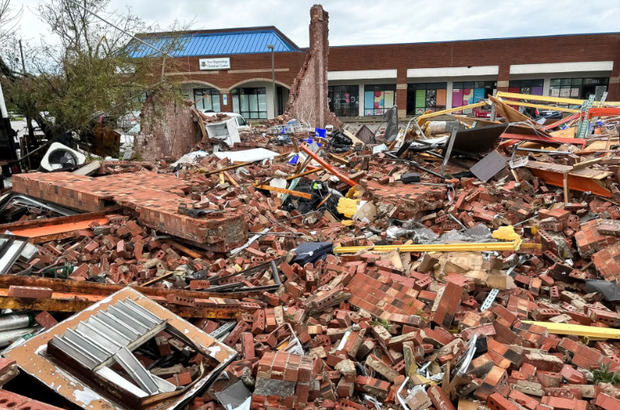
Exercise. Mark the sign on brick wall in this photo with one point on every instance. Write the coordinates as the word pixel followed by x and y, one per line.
pixel 214 63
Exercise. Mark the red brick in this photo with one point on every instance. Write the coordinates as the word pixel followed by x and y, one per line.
pixel 450 301
pixel 607 402
pixel 560 403
pixel 199 284
pixel 439 398
pixel 572 375
pixel 29 292
pixel 523 399
pixel 258 325
pixel 45 319
pixel 497 402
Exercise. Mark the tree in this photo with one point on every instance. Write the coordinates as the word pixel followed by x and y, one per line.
pixel 8 18
pixel 85 70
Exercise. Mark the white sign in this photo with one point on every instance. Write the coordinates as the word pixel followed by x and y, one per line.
pixel 214 63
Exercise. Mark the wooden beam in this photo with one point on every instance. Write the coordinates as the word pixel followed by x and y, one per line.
pixel 216 171
pixel 303 174
pixel 285 191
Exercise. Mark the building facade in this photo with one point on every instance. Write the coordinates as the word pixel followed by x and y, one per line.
pixel 231 70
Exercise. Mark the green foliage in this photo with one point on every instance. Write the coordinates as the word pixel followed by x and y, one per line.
pixel 603 375
pixel 85 71
pixel 382 322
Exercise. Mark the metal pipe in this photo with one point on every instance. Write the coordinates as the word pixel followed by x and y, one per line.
pixel 15 321
pixel 274 272
pixel 9 336
pixel 328 166
pixel 399 397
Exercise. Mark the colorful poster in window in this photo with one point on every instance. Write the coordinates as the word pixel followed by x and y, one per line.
pixel 441 98
pixel 369 100
pixel 478 94
pixel 468 95
pixel 431 100
pixel 378 100
pixel 389 99
pixel 457 97
pixel 420 99
pixel 536 91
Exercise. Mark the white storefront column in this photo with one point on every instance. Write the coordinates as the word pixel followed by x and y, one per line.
pixel 271 99
pixel 546 85
pixel 449 85
pixel 361 99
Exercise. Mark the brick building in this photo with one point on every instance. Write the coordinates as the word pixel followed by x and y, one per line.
pixel 231 70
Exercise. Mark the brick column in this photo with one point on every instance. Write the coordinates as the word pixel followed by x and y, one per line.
pixel 228 107
pixel 503 77
pixel 308 96
pixel 613 92
pixel 401 92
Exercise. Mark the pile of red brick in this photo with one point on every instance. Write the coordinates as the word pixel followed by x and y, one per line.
pixel 347 330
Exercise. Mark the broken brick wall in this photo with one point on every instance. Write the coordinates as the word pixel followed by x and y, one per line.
pixel 168 129
pixel 308 95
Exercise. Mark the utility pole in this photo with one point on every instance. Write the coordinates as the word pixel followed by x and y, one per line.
pixel 273 80
pixel 28 119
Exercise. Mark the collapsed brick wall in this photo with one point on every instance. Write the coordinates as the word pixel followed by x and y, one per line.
pixel 167 129
pixel 308 96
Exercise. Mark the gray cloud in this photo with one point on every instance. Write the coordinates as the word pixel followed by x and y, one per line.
pixel 370 22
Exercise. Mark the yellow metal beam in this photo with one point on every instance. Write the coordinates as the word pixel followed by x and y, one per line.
pixel 578 330
pixel 443 247
pixel 557 100
pixel 450 110
pixel 512 242
pixel 541 106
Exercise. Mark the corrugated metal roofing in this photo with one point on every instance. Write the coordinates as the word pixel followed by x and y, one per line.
pixel 213 44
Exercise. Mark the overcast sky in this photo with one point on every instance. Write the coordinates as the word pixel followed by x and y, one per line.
pixel 370 22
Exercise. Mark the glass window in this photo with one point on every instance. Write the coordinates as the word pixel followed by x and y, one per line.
pixel 344 100
pixel 379 98
pixel 250 102
pixel 533 87
pixel 580 88
pixel 470 92
pixel 207 99
pixel 424 97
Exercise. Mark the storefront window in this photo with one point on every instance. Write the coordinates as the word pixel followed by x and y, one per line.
pixel 470 92
pixel 424 97
pixel 379 98
pixel 532 87
pixel 207 99
pixel 344 100
pixel 577 87
pixel 250 102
